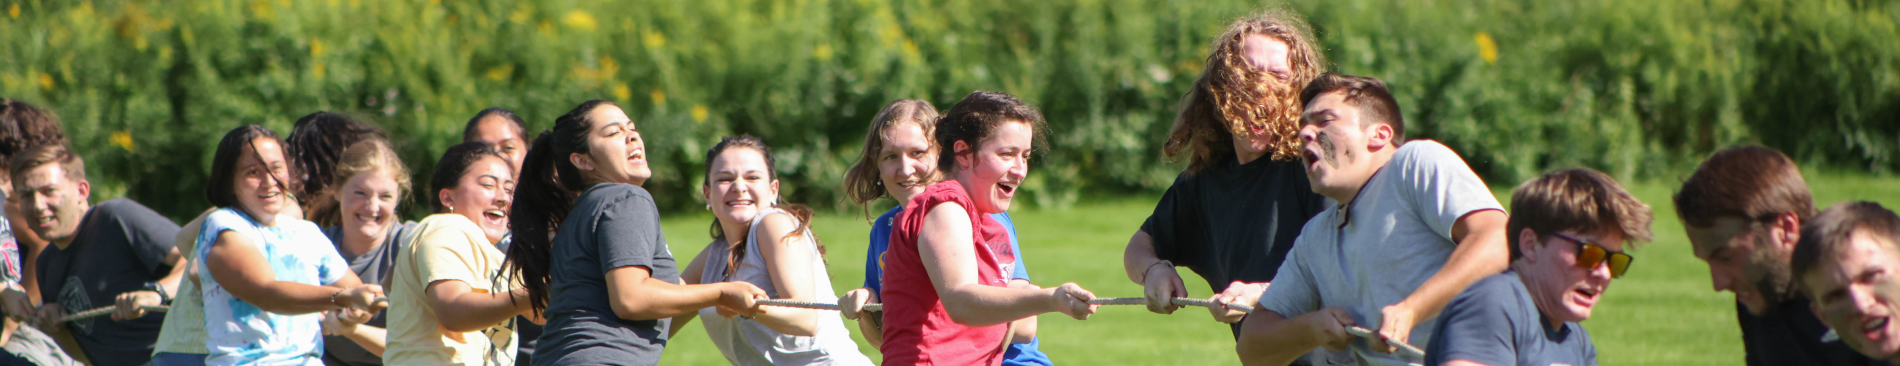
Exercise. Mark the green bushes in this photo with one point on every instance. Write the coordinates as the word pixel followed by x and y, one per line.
pixel 1635 88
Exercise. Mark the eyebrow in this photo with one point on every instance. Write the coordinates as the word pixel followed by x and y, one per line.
pixel 1308 116
pixel 610 124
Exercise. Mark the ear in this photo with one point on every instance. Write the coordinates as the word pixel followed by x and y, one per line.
pixel 581 161
pixel 85 189
pixel 443 196
pixel 1528 244
pixel 1378 137
pixel 775 190
pixel 1816 308
pixel 964 161
pixel 1788 226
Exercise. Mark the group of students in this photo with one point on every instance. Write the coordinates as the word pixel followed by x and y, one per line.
pixel 1303 199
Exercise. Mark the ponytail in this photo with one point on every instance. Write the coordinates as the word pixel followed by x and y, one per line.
pixel 544 195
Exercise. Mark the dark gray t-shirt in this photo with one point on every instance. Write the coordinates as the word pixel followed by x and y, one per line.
pixel 1494 322
pixel 611 226
pixel 373 268
pixel 118 248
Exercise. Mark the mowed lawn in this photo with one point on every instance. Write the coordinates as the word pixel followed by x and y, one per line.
pixel 1662 313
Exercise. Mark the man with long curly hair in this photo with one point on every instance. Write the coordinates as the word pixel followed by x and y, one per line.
pixel 1233 214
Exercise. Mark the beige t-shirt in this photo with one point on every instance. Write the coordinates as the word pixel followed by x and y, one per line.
pixel 447 247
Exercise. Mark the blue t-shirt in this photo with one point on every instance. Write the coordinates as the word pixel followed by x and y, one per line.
pixel 1494 322
pixel 1018 354
pixel 238 333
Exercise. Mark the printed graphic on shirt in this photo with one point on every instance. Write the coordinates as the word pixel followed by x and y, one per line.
pixel 73 297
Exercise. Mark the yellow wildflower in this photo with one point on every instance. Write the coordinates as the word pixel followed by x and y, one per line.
pixel 622 92
pixel 46 81
pixel 500 73
pixel 1487 48
pixel 659 97
pixel 653 39
pixel 822 52
pixel 123 140
pixel 700 113
pixel 13 10
pixel 580 20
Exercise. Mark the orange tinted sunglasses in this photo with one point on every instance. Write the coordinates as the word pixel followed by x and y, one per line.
pixel 1589 255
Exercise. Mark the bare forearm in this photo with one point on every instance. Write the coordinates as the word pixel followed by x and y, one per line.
pixel 872 329
pixel 1025 330
pixel 171 281
pixel 291 298
pixel 791 321
pixel 472 311
pixel 655 299
pixel 1269 339
pixel 982 305
pixel 1480 256
pixel 373 339
pixel 1139 255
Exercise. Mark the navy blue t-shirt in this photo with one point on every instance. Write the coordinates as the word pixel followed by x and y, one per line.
pixel 1494 322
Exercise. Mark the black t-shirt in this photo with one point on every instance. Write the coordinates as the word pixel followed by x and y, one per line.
pixel 1791 335
pixel 119 247
pixel 373 267
pixel 1233 222
pixel 612 226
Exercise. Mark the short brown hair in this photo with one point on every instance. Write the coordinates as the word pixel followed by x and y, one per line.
pixel 1580 200
pixel 23 126
pixel 1749 182
pixel 1830 230
pixel 1370 96
pixel 36 156
pixel 861 182
pixel 975 118
pixel 1231 94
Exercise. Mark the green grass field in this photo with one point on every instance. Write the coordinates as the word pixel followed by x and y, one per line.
pixel 1662 313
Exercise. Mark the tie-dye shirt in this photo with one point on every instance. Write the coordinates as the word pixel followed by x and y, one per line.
pixel 239 333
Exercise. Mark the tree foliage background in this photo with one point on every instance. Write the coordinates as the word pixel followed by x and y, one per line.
pixel 1640 89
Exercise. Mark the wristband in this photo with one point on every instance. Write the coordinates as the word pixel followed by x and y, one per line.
pixel 339 292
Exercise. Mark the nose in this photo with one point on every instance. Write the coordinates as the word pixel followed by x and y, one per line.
pixel 1601 271
pixel 1309 133
pixel 503 200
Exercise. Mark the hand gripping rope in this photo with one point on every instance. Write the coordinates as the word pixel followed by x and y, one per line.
pixel 1356 331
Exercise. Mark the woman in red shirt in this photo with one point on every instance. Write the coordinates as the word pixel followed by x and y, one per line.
pixel 946 300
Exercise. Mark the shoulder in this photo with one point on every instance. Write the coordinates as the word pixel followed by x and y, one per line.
pixel 610 195
pixel 226 218
pixel 1421 154
pixel 1498 293
pixel 885 219
pixel 777 223
pixel 122 209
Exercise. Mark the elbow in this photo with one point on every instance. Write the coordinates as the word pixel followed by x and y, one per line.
pixel 1250 354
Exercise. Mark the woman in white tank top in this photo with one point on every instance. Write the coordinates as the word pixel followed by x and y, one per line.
pixel 775 251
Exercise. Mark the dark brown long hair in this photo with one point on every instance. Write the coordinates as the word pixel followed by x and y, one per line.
pixel 864 183
pixel 736 246
pixel 544 194
pixel 975 118
pixel 1233 96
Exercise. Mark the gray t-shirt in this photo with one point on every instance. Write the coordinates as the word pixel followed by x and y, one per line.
pixel 1376 250
pixel 373 267
pixel 612 225
pixel 1494 322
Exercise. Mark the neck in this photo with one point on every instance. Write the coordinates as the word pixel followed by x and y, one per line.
pixel 1345 195
pixel 64 243
pixel 735 232
pixel 1543 306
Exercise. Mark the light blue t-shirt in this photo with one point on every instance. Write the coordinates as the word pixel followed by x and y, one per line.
pixel 1027 354
pixel 238 333
pixel 1374 251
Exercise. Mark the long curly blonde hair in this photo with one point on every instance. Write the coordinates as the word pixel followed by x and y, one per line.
pixel 1235 98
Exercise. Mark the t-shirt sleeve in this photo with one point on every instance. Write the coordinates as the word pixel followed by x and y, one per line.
pixel 874 253
pixel 1165 225
pixel 627 232
pixel 1478 326
pixel 1444 189
pixel 148 235
pixel 442 255
pixel 1294 291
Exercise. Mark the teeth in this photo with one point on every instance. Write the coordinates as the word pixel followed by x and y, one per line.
pixel 497 214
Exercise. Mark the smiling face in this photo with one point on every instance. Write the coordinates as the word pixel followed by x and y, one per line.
pixel 258 184
pixel 1336 146
pixel 905 162
pixel 1746 259
pixel 1857 294
pixel 54 203
pixel 483 195
pixel 499 132
pixel 368 202
pixel 1562 290
pixel 616 154
pixel 739 184
pixel 992 172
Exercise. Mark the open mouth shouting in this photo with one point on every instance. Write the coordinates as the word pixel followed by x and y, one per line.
pixel 1587 295
pixel 637 157
pixel 496 217
pixel 1008 189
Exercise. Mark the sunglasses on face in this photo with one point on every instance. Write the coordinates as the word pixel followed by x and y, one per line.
pixel 1589 255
